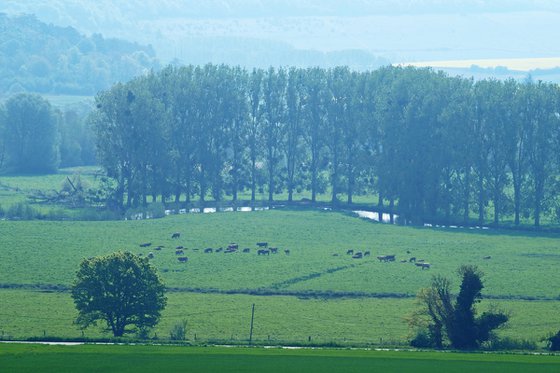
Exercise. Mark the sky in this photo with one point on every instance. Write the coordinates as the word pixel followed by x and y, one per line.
pixel 245 30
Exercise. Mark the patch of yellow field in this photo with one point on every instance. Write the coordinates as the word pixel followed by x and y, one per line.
pixel 521 64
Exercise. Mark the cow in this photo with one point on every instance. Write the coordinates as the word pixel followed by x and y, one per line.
pixel 287 252
pixel 273 250
pixel 233 246
pixel 150 255
pixel 146 244
pixel 367 253
pixel 263 252
pixel 219 249
pixel 228 250
pixel 179 248
pixel 350 252
pixel 179 252
pixel 246 250
pixel 423 265
pixel 182 259
pixel 386 258
pixel 487 257
pixel 412 260
pixel 358 255
pixel 208 250
pixel 404 261
pixel 262 244
pixel 158 248
pixel 176 235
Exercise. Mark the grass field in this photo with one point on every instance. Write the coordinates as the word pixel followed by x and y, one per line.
pixel 315 295
pixel 96 358
pixel 312 296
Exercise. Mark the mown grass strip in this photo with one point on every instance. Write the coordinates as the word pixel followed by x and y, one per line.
pixel 116 358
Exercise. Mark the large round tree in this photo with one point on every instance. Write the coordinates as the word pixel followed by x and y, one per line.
pixel 121 289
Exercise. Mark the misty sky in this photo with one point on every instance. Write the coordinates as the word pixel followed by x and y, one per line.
pixel 402 30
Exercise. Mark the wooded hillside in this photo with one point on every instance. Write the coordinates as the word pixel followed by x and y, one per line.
pixel 41 58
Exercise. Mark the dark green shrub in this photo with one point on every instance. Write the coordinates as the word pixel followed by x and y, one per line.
pixel 22 211
pixel 155 210
pixel 554 342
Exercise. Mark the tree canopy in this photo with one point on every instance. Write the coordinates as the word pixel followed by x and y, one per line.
pixel 443 317
pixel 434 148
pixel 31 134
pixel 43 58
pixel 120 289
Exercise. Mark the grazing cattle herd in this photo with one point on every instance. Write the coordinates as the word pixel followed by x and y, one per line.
pixel 263 249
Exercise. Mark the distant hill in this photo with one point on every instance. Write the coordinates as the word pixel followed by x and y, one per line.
pixel 362 34
pixel 48 59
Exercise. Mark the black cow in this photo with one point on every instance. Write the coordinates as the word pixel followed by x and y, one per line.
pixel 183 259
pixel 146 244
pixel 179 252
pixel 263 252
pixel 176 235
pixel 246 250
pixel 262 244
pixel 208 250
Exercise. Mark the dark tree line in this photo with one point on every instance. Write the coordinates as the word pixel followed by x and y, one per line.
pixel 433 147
pixel 35 137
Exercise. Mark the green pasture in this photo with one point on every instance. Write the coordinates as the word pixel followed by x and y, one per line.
pixel 310 296
pixel 223 318
pixel 97 358
pixel 522 265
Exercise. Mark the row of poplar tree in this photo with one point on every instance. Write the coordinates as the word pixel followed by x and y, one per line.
pixel 433 147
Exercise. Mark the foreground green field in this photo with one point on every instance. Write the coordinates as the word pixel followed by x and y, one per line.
pixel 315 295
pixel 95 358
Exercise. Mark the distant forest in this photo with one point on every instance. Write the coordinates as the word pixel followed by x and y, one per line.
pixel 41 58
pixel 434 148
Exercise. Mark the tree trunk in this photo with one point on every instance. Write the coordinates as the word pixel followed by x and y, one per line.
pixel 253 179
pixel 539 192
pixel 480 200
pixel 466 196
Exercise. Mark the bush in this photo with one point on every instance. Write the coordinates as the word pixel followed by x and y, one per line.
pixel 554 342
pixel 57 214
pixel 91 214
pixel 509 344
pixel 422 340
pixel 179 331
pixel 156 210
pixel 22 211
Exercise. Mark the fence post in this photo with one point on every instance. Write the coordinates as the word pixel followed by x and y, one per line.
pixel 252 319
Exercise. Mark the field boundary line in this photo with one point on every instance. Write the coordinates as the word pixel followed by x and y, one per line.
pixel 48 288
